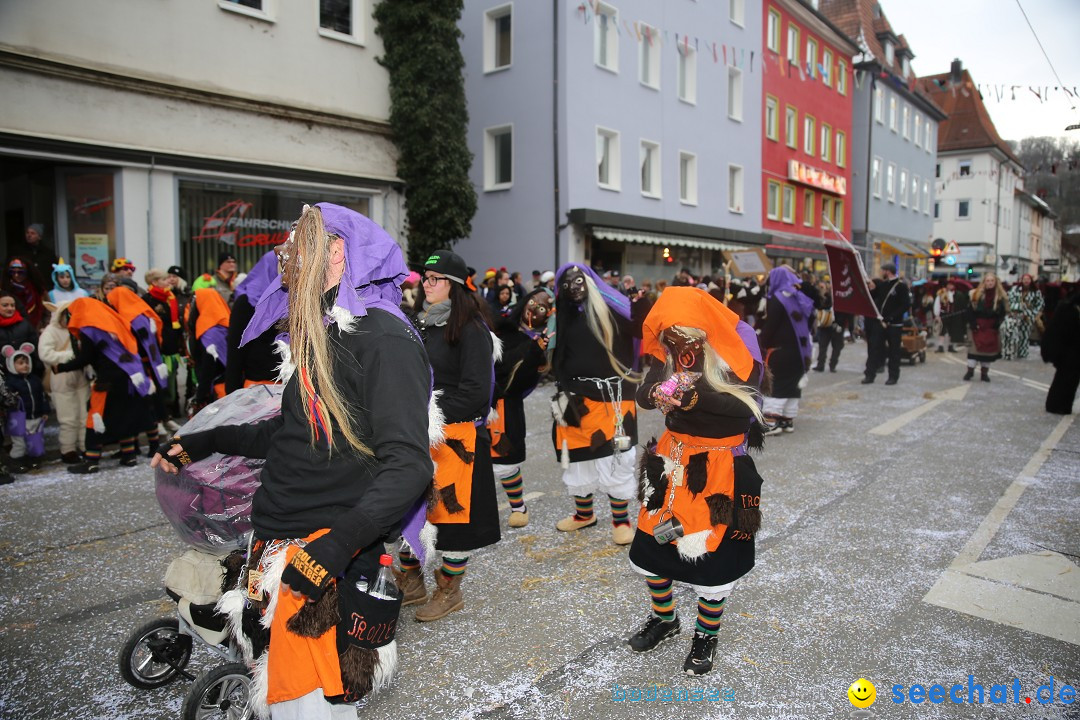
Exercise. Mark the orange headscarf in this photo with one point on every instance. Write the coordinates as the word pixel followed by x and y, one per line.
pixel 130 306
pixel 212 311
pixel 91 312
pixel 693 307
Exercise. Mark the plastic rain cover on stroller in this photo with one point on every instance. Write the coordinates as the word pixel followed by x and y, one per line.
pixel 209 501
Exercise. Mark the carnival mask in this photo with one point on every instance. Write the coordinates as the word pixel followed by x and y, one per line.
pixel 537 311
pixel 684 349
pixel 573 284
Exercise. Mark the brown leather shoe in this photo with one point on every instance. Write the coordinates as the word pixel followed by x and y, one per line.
pixel 411 584
pixel 445 600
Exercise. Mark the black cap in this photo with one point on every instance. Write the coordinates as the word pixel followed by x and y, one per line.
pixel 448 263
pixel 224 257
pixel 889 268
pixel 177 271
pixel 129 284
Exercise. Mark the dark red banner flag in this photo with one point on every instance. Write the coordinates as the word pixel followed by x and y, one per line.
pixel 850 293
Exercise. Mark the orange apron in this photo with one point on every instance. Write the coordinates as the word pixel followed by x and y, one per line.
pixel 497 427
pixel 454 459
pixel 599 418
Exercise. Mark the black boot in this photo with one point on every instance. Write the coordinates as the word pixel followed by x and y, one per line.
pixel 819 368
pixel 654 632
pixel 86 467
pixel 6 478
pixel 702 650
pixel 984 374
pixel 970 373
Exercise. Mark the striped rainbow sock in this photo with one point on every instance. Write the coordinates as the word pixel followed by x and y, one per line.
pixel 513 487
pixel 127 446
pixel 619 511
pixel 583 509
pixel 92 455
pixel 708 615
pixel 663 601
pixel 408 561
pixel 454 566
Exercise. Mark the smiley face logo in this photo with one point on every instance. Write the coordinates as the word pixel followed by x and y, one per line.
pixel 862 693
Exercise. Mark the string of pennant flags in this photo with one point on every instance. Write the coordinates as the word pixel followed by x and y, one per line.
pixel 1001 92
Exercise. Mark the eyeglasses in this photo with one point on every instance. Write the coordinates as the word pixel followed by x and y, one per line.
pixel 433 280
pixel 17 271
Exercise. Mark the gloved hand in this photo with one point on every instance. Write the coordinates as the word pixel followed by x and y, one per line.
pixel 314 566
pixel 193 447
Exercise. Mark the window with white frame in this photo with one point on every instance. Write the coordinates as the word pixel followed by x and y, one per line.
pixel 892 112
pixel 926 198
pixel 688 193
pixel 789 205
pixel 875 176
pixel 929 137
pixel 650 169
pixel 772 200
pixel 879 105
pixel 606 37
pixel 811 56
pixel 890 53
pixel 261 9
pixel 341 20
pixel 499 157
pixel 737 12
pixel 826 142
pixel 964 168
pixel 937 210
pixel 827 63
pixel 890 181
pixel 793 44
pixel 841 149
pixel 498 38
pixel 917 135
pixel 735 188
pixel 772 122
pixel 735 93
pixel 963 209
pixel 791 127
pixel 907 121
pixel 687 73
pixel 915 193
pixel 808 134
pixel 841 78
pixel 649 57
pixel 809 208
pixel 903 187
pixel 772 36
pixel 607 159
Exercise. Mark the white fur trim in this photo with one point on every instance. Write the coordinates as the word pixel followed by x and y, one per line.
pixel 385 668
pixel 274 564
pixel 565 461
pixel 260 687
pixel 153 326
pixel 345 320
pixel 646 490
pixel 496 347
pixel 492 416
pixel 692 546
pixel 162 372
pixel 428 535
pixel 98 423
pixel 213 352
pixel 285 368
pixel 137 379
pixel 231 605
pixel 436 420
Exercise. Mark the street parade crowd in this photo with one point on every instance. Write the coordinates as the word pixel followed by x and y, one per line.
pixel 403 402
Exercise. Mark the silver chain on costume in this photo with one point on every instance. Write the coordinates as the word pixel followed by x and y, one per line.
pixel 612 397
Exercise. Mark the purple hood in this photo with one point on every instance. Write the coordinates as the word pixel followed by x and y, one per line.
pixel 784 286
pixel 615 300
pixel 262 274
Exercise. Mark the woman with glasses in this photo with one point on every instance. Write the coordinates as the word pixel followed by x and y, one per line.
pixel 460 348
pixel 22 282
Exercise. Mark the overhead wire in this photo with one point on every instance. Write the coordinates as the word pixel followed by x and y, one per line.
pixel 1045 55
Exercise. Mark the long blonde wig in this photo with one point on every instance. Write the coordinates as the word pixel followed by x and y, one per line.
pixel 598 316
pixel 999 291
pixel 716 372
pixel 308 339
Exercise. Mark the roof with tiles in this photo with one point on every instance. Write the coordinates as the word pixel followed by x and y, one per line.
pixel 968 125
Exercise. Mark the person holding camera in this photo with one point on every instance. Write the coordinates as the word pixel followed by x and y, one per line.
pixel 700 492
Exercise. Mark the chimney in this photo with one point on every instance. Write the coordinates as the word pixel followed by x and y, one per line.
pixel 956 71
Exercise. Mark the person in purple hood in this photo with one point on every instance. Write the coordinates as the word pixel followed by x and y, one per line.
pixel 346 463
pixel 256 362
pixel 785 342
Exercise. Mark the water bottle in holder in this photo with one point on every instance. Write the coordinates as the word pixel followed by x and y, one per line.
pixel 384 586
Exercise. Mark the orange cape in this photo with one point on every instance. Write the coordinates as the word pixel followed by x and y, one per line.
pixel 693 307
pixel 212 311
pixel 90 312
pixel 130 306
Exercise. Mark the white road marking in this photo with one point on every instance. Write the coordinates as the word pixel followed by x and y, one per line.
pixel 1038 592
pixel 891 426
pixel 1003 373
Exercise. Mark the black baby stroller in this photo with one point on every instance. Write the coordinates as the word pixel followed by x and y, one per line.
pixel 209 505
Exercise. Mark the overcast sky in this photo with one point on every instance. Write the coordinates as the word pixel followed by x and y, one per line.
pixel 996 46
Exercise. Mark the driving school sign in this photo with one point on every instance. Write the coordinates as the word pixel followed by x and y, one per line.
pixel 815 177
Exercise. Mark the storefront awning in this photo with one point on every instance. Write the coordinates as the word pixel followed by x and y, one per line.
pixel 638 236
pixel 904 248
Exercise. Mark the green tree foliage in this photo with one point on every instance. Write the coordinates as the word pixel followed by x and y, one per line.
pixel 428 117
pixel 1053 174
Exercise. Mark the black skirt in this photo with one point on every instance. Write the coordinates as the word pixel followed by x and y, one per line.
pixel 483 526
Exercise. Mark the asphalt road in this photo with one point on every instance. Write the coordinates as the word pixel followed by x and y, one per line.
pixel 912 535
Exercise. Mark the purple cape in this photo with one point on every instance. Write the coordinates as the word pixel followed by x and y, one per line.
pixel 215 342
pixel 374 271
pixel 115 351
pixel 264 272
pixel 784 286
pixel 149 345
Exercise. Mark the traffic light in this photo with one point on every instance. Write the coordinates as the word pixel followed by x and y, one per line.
pixel 970 270
pixel 937 248
pixel 667 255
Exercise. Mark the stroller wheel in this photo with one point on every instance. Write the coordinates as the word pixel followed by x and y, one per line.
pixel 154 654
pixel 220 692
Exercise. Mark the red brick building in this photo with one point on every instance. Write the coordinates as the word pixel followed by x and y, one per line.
pixel 806 138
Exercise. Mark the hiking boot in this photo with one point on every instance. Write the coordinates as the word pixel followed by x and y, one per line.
pixel 70 457
pixel 984 374
pixel 623 534
pixel 518 518
pixel 702 650
pixel 411 584
pixel 86 467
pixel 445 600
pixel 572 523
pixel 970 373
pixel 654 632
